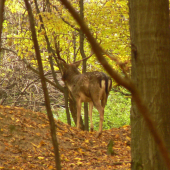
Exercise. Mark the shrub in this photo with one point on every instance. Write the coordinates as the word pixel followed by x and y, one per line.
pixel 117 112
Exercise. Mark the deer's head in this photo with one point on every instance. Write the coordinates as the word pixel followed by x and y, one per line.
pixel 70 70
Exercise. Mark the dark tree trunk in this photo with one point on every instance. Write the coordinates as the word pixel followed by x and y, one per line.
pixel 1 18
pixel 66 105
pixel 151 73
pixel 86 119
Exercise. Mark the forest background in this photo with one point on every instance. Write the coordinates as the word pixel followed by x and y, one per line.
pixel 20 83
pixel 147 50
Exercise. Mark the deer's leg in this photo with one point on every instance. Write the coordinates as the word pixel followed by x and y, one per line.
pixel 90 114
pixel 101 112
pixel 78 104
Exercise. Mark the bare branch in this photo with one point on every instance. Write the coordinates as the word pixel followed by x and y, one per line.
pixel 44 86
pixel 58 50
pixel 85 58
pixel 2 3
pixel 122 65
pixel 50 50
pixel 35 71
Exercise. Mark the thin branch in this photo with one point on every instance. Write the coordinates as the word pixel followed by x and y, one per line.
pixel 2 4
pixel 35 71
pixel 125 94
pixel 85 58
pixel 122 65
pixel 44 86
pixel 68 23
pixel 58 50
pixel 49 48
pixel 10 50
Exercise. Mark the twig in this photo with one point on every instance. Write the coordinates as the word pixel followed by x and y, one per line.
pixel 85 58
pixel 116 90
pixel 119 63
pixel 119 163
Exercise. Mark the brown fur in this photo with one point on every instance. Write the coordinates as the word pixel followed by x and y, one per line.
pixel 92 87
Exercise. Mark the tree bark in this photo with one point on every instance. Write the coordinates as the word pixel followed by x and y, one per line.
pixel 66 106
pixel 149 28
pixel 86 119
pixel 2 4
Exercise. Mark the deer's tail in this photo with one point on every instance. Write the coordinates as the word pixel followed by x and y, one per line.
pixel 108 86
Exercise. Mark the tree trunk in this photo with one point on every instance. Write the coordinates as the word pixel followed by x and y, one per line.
pixel 2 4
pixel 86 119
pixel 149 28
pixel 66 105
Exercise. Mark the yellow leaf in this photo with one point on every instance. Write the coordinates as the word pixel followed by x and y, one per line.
pixel 51 167
pixel 41 143
pixel 128 147
pixel 125 126
pixel 17 120
pixel 38 134
pixel 79 163
pixel 59 134
pixel 43 125
pixel 77 159
pixel 66 159
pixel 86 141
pixel 43 32
pixel 128 138
pixel 34 145
pixel 12 118
pixel 62 155
pixel 80 150
pixel 88 163
pixel 40 157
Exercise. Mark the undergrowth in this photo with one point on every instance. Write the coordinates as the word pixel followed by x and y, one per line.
pixel 117 112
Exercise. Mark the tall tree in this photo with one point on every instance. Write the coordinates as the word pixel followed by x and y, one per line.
pixel 84 63
pixel 149 28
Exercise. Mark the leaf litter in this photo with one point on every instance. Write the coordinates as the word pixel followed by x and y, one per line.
pixel 25 143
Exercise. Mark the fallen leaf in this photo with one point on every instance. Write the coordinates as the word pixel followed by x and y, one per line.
pixel 40 157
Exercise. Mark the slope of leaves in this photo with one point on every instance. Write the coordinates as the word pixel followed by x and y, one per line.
pixel 25 143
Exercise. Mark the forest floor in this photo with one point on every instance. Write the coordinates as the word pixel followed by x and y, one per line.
pixel 25 143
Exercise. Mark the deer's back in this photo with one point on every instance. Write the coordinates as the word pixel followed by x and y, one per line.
pixel 90 85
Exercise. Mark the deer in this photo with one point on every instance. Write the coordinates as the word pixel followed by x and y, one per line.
pixel 92 87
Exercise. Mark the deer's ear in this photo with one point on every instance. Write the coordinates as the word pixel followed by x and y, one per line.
pixel 77 63
pixel 65 65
